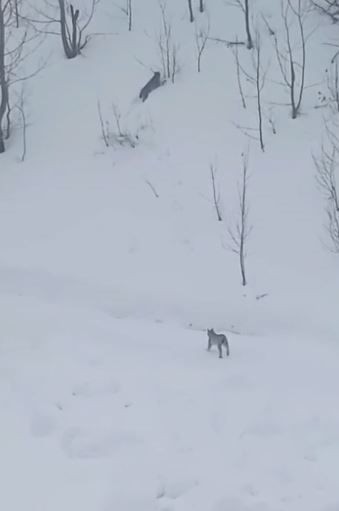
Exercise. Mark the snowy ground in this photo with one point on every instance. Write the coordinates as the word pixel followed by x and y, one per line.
pixel 108 398
pixel 108 414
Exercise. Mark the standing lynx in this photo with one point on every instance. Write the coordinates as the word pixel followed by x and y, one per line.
pixel 219 340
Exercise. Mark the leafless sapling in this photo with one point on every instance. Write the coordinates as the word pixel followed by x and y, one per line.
pixel 291 59
pixel 168 49
pixel 326 167
pixel 256 77
pixel 201 38
pixel 235 51
pixel 327 171
pixel 4 94
pixel 216 195
pixel 118 134
pixel 239 232
pixel 21 108
pixel 259 85
pixel 333 227
pixel 332 80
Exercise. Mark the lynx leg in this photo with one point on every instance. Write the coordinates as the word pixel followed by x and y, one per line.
pixel 209 345
pixel 227 348
pixel 220 350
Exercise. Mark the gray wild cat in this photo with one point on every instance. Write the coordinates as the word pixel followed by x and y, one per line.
pixel 218 340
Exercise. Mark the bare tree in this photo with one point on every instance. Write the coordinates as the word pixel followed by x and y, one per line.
pixel 327 170
pixel 201 38
pixel 15 48
pixel 328 7
pixel 326 166
pixel 216 195
pixel 21 108
pixel 235 51
pixel 72 25
pixel 168 49
pixel 332 80
pixel 244 5
pixel 292 66
pixel 190 9
pixel 257 77
pixel 115 131
pixel 4 6
pixel 240 231
pixel 259 85
pixel 333 227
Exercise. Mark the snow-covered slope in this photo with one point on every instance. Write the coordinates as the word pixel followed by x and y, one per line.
pixel 98 413
pixel 113 263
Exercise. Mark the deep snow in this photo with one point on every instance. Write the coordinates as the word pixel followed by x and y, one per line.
pixel 109 399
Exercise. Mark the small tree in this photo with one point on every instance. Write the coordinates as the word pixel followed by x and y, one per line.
pixel 332 80
pixel 292 66
pixel 327 169
pixel 326 166
pixel 257 77
pixel 216 195
pixel 15 48
pixel 240 231
pixel 239 72
pixel 259 85
pixel 201 38
pixel 168 49
pixel 333 227
pixel 3 78
pixel 72 26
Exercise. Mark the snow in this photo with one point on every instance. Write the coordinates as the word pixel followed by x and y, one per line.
pixel 109 399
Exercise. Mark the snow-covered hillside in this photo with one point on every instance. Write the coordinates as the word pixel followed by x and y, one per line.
pixel 113 264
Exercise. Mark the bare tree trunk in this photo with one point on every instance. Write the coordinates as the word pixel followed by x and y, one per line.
pixel 259 86
pixel 190 8
pixel 63 26
pixel 294 72
pixel 3 79
pixel 216 198
pixel 201 39
pixel 248 28
pixel 241 230
pixel 70 42
pixel 74 19
pixel 243 210
pixel 16 9
pixel 130 14
pixel 238 68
